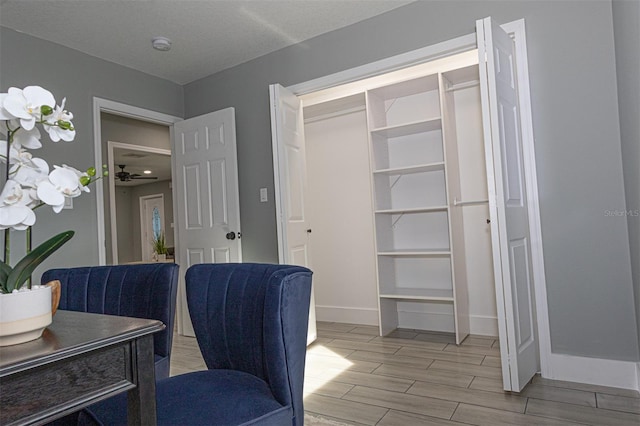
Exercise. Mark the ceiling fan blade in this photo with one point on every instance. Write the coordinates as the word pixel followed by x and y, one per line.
pixel 142 177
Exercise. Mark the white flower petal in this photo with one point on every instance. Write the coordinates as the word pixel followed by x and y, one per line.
pixel 48 194
pixel 37 96
pixel 42 165
pixel 64 177
pixel 13 215
pixel 16 106
pixel 27 138
pixel 28 176
pixel 11 193
pixel 4 114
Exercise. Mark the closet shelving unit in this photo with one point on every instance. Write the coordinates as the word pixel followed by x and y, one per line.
pixel 415 180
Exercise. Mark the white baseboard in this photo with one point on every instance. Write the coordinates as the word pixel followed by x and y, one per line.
pixel 595 371
pixel 479 325
pixel 351 315
pixel 483 325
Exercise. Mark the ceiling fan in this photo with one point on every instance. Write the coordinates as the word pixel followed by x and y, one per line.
pixel 126 176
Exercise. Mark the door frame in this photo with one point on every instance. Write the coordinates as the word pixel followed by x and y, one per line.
pixel 117 108
pixel 516 30
pixel 111 146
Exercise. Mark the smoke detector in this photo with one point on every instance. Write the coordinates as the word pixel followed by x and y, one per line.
pixel 162 44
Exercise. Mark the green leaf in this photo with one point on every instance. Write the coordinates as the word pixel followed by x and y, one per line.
pixel 5 270
pixel 23 270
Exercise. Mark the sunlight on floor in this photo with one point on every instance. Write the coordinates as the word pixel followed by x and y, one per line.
pixel 322 366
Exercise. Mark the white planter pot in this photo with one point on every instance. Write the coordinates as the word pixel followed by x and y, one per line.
pixel 24 315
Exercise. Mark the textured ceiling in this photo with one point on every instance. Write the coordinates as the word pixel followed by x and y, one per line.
pixel 137 161
pixel 208 36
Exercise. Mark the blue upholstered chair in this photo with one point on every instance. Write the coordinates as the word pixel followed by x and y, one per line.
pixel 142 291
pixel 250 321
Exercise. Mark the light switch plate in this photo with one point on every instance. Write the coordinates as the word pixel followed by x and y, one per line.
pixel 263 195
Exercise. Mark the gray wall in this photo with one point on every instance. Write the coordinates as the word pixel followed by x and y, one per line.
pixel 578 153
pixel 115 128
pixel 78 77
pixel 626 30
pixel 125 220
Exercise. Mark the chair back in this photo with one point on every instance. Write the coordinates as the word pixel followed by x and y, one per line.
pixel 253 318
pixel 141 290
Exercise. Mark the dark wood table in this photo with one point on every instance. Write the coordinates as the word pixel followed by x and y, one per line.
pixel 81 359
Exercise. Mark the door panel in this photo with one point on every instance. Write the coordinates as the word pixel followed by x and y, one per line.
pixel 207 185
pixel 218 179
pixel 508 206
pixel 287 127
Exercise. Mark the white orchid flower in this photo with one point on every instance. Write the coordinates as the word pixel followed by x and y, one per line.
pixel 14 207
pixel 4 114
pixel 80 175
pixel 62 182
pixel 30 172
pixel 56 130
pixel 14 153
pixel 26 104
pixel 21 137
pixel 20 159
pixel 27 138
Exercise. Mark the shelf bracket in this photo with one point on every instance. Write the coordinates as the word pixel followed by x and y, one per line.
pixel 390 105
pixel 393 225
pixel 395 181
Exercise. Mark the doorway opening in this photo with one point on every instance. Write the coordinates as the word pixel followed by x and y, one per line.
pixel 135 173
pixel 118 110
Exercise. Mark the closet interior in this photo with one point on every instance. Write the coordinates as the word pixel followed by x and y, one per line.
pixel 398 201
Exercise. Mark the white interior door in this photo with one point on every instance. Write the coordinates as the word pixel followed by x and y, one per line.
pixel 151 223
pixel 294 231
pixel 508 206
pixel 208 210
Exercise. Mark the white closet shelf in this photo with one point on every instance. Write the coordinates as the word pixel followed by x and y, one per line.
pixel 444 252
pixel 413 210
pixel 420 168
pixel 422 294
pixel 421 126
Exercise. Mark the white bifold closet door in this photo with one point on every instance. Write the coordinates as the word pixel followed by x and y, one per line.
pixel 508 205
pixel 287 128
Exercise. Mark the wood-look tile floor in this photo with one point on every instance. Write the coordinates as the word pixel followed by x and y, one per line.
pixel 414 378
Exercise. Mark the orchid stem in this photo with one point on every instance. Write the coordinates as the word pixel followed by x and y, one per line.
pixel 7 237
pixel 28 242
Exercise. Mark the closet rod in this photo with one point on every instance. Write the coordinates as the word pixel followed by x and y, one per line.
pixel 457 202
pixel 464 85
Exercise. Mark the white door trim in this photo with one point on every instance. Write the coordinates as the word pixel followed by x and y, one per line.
pixel 457 45
pixel 124 110
pixel 383 66
pixel 111 145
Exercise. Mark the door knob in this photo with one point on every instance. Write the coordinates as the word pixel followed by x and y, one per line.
pixel 231 235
